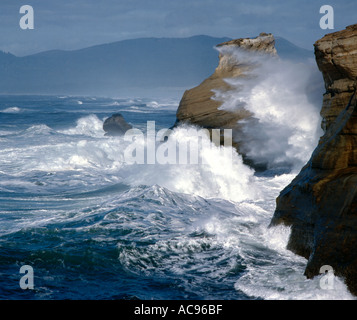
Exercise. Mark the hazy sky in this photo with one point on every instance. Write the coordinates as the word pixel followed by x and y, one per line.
pixel 74 24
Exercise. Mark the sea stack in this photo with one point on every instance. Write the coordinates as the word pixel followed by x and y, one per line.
pixel 200 107
pixel 320 204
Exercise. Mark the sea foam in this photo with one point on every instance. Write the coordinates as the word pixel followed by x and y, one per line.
pixel 282 96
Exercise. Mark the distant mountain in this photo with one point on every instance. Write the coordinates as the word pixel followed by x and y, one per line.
pixel 288 50
pixel 137 66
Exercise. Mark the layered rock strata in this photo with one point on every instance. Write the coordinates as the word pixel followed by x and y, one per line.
pixel 320 204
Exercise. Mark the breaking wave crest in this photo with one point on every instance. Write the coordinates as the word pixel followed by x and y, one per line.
pixel 284 99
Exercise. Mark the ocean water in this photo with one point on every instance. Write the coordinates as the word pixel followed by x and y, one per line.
pixel 93 226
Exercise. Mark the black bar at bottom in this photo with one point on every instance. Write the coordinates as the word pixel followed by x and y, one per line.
pixel 169 309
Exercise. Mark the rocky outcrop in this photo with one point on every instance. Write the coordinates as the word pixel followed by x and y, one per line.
pixel 198 105
pixel 116 125
pixel 336 56
pixel 320 204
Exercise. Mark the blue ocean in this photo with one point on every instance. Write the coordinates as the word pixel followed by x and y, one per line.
pixel 93 226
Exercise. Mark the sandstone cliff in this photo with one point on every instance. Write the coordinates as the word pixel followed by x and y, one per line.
pixel 320 204
pixel 198 105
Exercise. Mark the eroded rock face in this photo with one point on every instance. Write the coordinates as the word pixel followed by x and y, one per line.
pixel 197 106
pixel 336 57
pixel 320 204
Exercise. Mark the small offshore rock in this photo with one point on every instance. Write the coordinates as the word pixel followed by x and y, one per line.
pixel 116 125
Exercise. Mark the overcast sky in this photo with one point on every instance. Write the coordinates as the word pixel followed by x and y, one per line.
pixel 74 24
